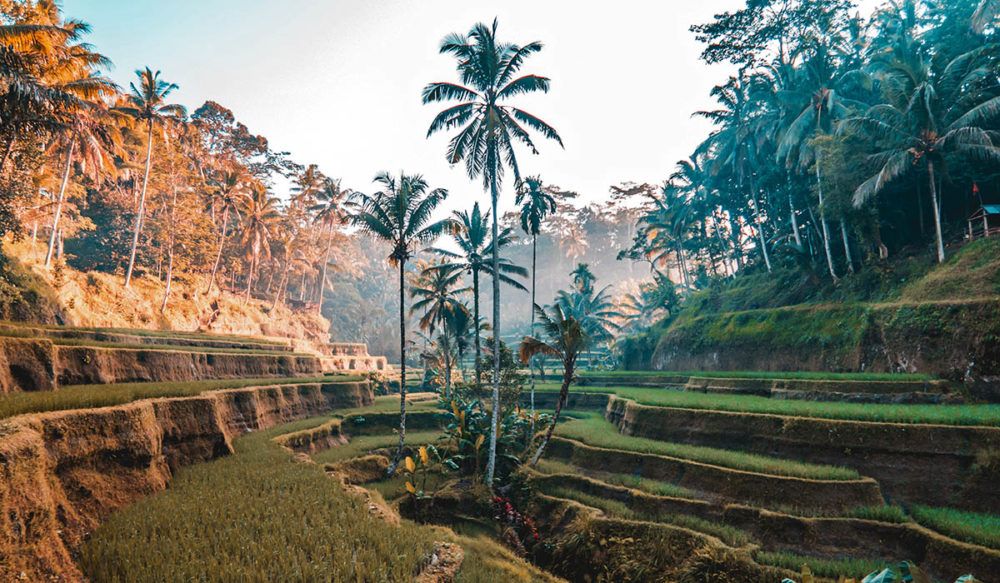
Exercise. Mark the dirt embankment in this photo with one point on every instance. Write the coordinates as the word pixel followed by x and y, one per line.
pixel 39 365
pixel 62 473
pixel 965 461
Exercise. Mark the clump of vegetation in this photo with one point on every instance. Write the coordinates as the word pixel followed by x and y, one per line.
pixel 973 527
pixel 655 487
pixel 833 568
pixel 593 429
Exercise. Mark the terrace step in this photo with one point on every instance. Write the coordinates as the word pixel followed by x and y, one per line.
pixel 895 454
pixel 719 483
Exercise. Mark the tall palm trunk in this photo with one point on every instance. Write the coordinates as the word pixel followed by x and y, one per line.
pixel 939 240
pixel 475 308
pixel 760 227
pixel 795 221
pixel 142 203
pixel 822 220
pixel 402 370
pixel 568 366
pixel 253 267
pixel 531 369
pixel 170 253
pixel 847 246
pixel 495 416
pixel 222 244
pixel 282 283
pixel 59 202
pixel 322 277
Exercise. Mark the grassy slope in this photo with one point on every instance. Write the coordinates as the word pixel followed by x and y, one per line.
pixel 91 396
pixel 940 414
pixel 790 309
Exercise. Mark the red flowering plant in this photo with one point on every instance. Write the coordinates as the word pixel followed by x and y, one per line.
pixel 519 530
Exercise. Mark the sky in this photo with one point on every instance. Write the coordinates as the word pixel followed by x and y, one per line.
pixel 338 82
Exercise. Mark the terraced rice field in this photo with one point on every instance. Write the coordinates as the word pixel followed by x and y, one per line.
pixel 985 415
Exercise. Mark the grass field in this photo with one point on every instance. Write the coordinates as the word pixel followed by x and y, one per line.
pixel 980 529
pixel 91 396
pixel 146 332
pixel 205 349
pixel 763 374
pixel 253 516
pixel 359 446
pixel 593 429
pixel 988 415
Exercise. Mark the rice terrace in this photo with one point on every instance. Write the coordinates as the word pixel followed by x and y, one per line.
pixel 443 292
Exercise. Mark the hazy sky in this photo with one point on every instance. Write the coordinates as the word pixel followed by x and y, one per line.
pixel 338 82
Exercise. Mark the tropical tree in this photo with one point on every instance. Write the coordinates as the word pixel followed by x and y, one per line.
pixel 260 219
pixel 400 214
pixel 535 204
pixel 437 293
pixel 565 338
pixel 490 128
pixel 329 214
pixel 89 134
pixel 932 114
pixel 226 194
pixel 474 243
pixel 147 104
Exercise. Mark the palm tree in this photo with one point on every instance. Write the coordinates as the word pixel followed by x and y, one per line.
pixel 489 131
pixel 931 114
pixel 89 134
pixel 456 324
pixel 260 219
pixel 436 293
pixel 400 214
pixel 566 339
pixel 536 204
pixel 471 236
pixel 329 213
pixel 148 104
pixel 227 194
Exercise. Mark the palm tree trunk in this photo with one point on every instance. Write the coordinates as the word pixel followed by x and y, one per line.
pixel 760 227
pixel 568 367
pixel 222 244
pixel 795 221
pixel 59 202
pixel 822 220
pixel 402 370
pixel 531 369
pixel 495 416
pixel 170 253
pixel 253 267
pixel 142 204
pixel 282 283
pixel 322 277
pixel 475 308
pixel 847 246
pixel 937 212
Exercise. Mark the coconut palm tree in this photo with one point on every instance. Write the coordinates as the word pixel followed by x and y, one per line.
pixel 471 236
pixel 227 194
pixel 490 128
pixel 436 293
pixel 931 114
pixel 536 204
pixel 565 338
pixel 89 134
pixel 400 214
pixel 148 104
pixel 260 219
pixel 329 213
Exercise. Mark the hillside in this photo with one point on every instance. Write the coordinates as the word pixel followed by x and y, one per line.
pixel 64 295
pixel 905 316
